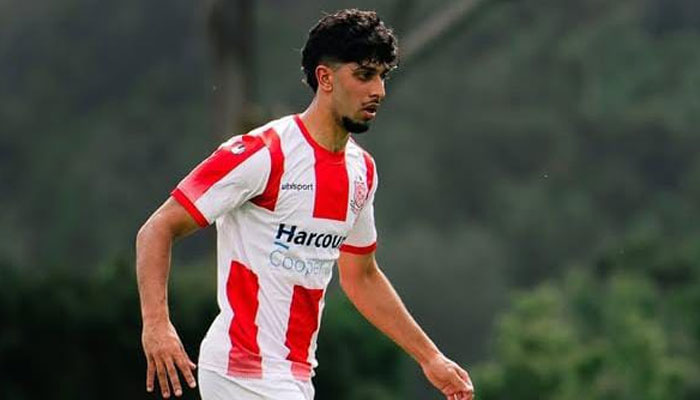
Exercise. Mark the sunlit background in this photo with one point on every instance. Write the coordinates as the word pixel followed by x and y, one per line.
pixel 538 210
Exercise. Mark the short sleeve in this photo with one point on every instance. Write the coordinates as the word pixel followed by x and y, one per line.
pixel 362 238
pixel 236 172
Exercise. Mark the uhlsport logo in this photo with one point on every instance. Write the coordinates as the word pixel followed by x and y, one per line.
pixel 297 186
pixel 360 194
pixel 235 145
pixel 238 149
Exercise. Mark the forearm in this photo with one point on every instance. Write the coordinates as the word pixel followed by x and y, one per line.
pixel 377 301
pixel 153 249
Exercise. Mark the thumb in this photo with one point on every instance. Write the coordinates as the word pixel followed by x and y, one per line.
pixel 190 362
pixel 460 383
pixel 465 377
pixel 187 356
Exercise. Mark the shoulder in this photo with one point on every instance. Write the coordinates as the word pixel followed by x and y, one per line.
pixel 268 135
pixel 280 127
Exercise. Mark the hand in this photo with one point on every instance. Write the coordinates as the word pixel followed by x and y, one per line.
pixel 449 378
pixel 164 351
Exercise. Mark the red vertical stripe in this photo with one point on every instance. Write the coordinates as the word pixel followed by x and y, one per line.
pixel 332 183
pixel 242 287
pixel 370 171
pixel 268 198
pixel 303 322
pixel 218 165
pixel 332 189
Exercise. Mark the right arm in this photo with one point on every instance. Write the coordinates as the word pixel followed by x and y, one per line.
pixel 162 346
pixel 236 172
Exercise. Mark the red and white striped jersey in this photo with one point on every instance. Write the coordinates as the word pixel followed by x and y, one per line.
pixel 284 208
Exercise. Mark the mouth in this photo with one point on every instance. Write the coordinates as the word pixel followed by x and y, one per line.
pixel 370 110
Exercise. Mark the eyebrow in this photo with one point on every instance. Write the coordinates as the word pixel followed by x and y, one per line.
pixel 366 68
pixel 369 68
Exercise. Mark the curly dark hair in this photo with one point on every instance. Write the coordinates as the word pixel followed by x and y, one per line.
pixel 350 35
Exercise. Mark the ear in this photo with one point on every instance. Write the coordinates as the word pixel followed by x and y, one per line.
pixel 324 77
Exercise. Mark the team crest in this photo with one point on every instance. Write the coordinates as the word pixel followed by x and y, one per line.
pixel 359 197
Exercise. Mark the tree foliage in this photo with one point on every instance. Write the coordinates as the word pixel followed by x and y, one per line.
pixel 627 331
pixel 69 335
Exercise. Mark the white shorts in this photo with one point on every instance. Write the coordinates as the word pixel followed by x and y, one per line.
pixel 213 386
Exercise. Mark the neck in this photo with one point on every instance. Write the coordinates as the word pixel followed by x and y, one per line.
pixel 324 128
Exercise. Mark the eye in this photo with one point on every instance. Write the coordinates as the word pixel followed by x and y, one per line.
pixel 365 75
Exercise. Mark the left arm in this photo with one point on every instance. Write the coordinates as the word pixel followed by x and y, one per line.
pixel 372 294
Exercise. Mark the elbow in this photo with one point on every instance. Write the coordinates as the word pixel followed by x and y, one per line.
pixel 157 230
pixel 343 283
pixel 155 226
pixel 348 285
pixel 142 233
pixel 150 231
pixel 348 281
pixel 356 272
pixel 351 283
pixel 140 243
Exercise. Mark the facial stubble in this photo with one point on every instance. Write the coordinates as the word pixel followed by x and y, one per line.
pixel 354 126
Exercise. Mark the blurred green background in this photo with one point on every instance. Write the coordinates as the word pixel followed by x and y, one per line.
pixel 539 167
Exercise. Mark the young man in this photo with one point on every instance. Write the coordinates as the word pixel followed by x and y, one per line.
pixel 289 199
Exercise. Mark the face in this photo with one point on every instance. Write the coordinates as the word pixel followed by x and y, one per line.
pixel 357 91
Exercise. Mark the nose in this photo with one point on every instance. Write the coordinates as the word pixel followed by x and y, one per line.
pixel 378 90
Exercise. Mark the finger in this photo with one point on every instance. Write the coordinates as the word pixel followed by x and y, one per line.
pixel 469 395
pixel 189 360
pixel 465 376
pixel 460 396
pixel 184 364
pixel 174 378
pixel 458 384
pixel 150 373
pixel 162 378
pixel 450 391
pixel 466 380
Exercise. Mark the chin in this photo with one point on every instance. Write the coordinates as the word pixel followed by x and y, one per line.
pixel 355 126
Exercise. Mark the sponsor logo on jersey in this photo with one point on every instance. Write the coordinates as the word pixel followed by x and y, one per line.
pixel 360 194
pixel 297 186
pixel 280 259
pixel 289 235
pixel 292 234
